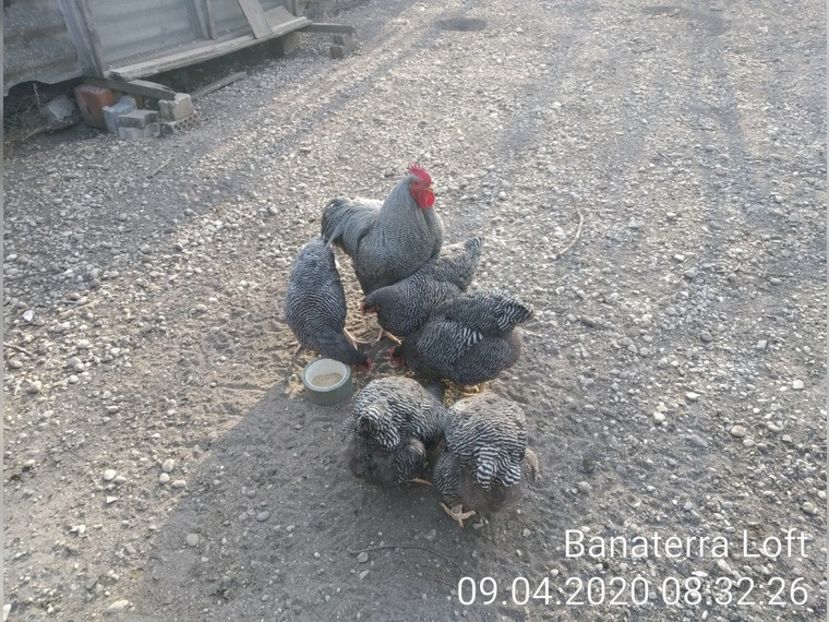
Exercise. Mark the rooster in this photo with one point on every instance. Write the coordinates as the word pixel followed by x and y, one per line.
pixel 405 306
pixel 394 426
pixel 389 241
pixel 468 340
pixel 484 461
pixel 315 307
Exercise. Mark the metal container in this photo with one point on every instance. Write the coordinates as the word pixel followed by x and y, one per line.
pixel 327 382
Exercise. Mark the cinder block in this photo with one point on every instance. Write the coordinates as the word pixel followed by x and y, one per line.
pixel 337 51
pixel 171 127
pixel 122 106
pixel 138 119
pixel 346 40
pixel 176 109
pixel 134 133
pixel 91 101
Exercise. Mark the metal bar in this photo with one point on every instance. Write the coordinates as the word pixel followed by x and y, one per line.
pixel 218 84
pixel 135 87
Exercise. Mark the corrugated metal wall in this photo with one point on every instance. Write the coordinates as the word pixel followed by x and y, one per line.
pixel 228 17
pixel 38 46
pixel 135 28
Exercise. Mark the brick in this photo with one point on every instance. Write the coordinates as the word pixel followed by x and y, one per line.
pixel 138 119
pixel 91 101
pixel 111 113
pixel 176 109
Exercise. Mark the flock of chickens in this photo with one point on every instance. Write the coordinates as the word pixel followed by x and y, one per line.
pixel 475 451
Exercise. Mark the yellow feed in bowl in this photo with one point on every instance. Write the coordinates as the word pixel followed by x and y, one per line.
pixel 327 380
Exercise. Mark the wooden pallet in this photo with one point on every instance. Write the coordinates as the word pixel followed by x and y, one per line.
pixel 265 25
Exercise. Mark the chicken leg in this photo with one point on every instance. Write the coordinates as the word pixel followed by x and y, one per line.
pixel 457 514
pixel 353 340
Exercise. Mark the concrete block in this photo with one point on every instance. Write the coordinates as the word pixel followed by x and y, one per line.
pixel 176 109
pixel 122 106
pixel 138 119
pixel 346 40
pixel 290 42
pixel 91 101
pixel 60 111
pixel 135 133
pixel 337 51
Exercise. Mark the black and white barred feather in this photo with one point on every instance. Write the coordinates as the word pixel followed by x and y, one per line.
pixel 385 243
pixel 485 459
pixel 469 339
pixel 405 306
pixel 346 221
pixel 315 307
pixel 489 311
pixel 394 425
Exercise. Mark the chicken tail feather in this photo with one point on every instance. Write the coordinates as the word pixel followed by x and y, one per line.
pixel 345 222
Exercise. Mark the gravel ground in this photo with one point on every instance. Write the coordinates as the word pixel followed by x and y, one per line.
pixel 160 463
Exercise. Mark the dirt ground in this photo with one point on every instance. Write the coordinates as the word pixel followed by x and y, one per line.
pixel 674 375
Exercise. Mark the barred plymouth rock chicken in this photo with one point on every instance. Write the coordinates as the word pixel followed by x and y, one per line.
pixel 389 241
pixel 394 426
pixel 315 306
pixel 484 461
pixel 467 340
pixel 405 306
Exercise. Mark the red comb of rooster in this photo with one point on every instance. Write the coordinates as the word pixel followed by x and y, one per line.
pixel 419 172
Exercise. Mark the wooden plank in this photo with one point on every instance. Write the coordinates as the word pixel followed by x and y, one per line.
pixel 194 13
pixel 278 16
pixel 84 37
pixel 92 34
pixel 208 17
pixel 218 84
pixel 199 52
pixel 144 88
pixel 256 18
pixel 344 29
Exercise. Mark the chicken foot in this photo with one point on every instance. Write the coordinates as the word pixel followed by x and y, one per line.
pixel 388 335
pixel 457 514
pixel 474 389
